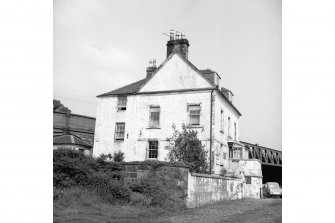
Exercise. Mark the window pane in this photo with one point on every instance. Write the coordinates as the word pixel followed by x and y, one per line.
pixel 154 116
pixel 153 149
pixel 194 114
pixel 119 130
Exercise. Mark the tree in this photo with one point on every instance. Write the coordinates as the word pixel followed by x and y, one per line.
pixel 186 147
pixel 58 106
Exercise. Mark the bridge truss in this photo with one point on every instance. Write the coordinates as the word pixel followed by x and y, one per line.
pixel 267 156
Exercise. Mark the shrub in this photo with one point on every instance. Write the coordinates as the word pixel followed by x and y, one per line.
pixel 114 191
pixel 77 196
pixel 139 199
pixel 185 146
pixel 223 172
pixel 118 156
pixel 161 190
pixel 72 168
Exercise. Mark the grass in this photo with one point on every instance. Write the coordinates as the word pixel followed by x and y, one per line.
pixel 78 205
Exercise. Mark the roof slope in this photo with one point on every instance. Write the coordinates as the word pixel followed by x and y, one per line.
pixel 70 140
pixel 128 89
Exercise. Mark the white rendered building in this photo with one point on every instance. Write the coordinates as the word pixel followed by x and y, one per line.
pixel 137 119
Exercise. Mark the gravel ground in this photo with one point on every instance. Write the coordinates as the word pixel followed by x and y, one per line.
pixel 248 210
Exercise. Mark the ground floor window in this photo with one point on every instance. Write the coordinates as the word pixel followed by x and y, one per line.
pixel 248 180
pixel 153 150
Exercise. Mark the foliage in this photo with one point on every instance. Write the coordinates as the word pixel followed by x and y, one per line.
pixel 223 172
pixel 118 156
pixel 114 191
pixel 105 157
pixel 58 106
pixel 161 190
pixel 139 199
pixel 156 163
pixel 72 168
pixel 186 147
pixel 82 180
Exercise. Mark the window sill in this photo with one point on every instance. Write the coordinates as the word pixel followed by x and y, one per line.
pixel 153 127
pixel 234 159
pixel 118 140
pixel 194 126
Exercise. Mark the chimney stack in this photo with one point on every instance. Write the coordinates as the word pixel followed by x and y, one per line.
pixel 152 67
pixel 177 43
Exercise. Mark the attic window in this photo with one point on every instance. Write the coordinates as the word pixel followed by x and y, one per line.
pixel 121 103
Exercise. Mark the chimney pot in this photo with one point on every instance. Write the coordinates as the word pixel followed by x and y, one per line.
pixel 171 34
pixel 179 44
pixel 151 69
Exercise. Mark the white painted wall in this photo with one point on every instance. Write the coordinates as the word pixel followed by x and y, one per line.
pixel 173 109
pixel 175 74
pixel 222 137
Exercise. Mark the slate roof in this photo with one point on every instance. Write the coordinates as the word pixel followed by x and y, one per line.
pixel 70 140
pixel 134 87
pixel 128 89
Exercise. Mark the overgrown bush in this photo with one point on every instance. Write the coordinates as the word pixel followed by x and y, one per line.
pixel 118 156
pixel 185 146
pixel 160 189
pixel 83 180
pixel 72 168
pixel 139 199
pixel 114 192
pixel 78 196
pixel 223 172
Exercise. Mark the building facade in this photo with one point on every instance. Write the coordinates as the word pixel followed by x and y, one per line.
pixel 137 119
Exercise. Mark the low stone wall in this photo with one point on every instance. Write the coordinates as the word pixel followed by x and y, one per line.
pixel 137 170
pixel 204 189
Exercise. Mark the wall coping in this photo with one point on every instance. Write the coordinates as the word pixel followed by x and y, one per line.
pixel 250 160
pixel 253 176
pixel 165 164
pixel 214 176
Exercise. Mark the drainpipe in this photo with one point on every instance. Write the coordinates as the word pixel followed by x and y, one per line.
pixel 210 135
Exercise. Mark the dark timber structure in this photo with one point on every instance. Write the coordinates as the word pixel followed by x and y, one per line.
pixel 271 161
pixel 74 124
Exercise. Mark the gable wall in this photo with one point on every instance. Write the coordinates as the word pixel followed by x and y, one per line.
pixel 175 74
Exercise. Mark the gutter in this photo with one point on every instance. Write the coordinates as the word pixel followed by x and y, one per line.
pixel 210 134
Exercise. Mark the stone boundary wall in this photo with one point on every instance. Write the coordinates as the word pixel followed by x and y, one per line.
pixel 205 189
pixel 137 170
pixel 201 189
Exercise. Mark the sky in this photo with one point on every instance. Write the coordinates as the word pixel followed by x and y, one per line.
pixel 101 45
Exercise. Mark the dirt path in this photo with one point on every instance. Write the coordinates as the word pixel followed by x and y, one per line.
pixel 251 211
